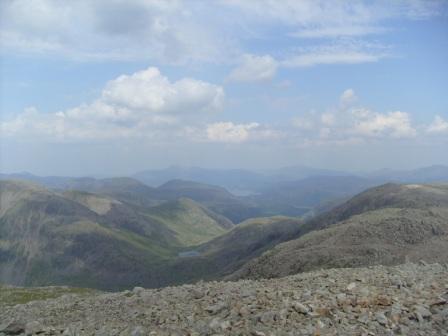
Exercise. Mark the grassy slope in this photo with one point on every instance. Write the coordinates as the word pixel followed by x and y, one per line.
pixel 98 204
pixel 56 247
pixel 213 197
pixel 91 240
pixel 10 296
pixel 224 254
pixel 190 222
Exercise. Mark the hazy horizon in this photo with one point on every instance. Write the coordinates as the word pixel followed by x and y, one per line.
pixel 253 170
pixel 115 87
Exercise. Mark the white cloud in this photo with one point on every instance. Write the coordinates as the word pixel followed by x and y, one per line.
pixel 230 132
pixel 130 105
pixel 180 32
pixel 254 68
pixel 439 125
pixel 327 119
pixel 148 90
pixel 335 54
pixel 303 123
pixel 166 31
pixel 322 18
pixel 348 97
pixel 396 124
pixel 304 12
pixel 344 124
pixel 337 31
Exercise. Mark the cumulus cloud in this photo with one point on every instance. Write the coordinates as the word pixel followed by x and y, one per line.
pixel 254 68
pixel 396 124
pixel 439 125
pixel 230 132
pixel 130 105
pixel 346 124
pixel 149 91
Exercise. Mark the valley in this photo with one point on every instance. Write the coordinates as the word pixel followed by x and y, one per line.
pixel 68 243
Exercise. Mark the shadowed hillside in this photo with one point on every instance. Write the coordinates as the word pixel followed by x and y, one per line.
pixel 90 240
pixel 387 225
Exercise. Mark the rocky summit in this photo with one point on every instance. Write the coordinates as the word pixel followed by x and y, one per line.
pixel 409 299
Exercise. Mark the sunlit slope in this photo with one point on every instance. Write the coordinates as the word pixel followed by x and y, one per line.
pixel 191 222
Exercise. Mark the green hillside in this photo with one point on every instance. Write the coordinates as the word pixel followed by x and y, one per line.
pixel 191 222
pixel 224 254
pixel 135 193
pixel 89 240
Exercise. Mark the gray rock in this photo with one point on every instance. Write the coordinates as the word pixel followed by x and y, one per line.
pixel 304 304
pixel 70 331
pixel 300 308
pixel 257 333
pixel 138 290
pixel 351 286
pixel 196 294
pixel 138 331
pixel 267 317
pixel 34 327
pixel 364 318
pixel 422 311
pixel 381 318
pixel 216 308
pixel 14 328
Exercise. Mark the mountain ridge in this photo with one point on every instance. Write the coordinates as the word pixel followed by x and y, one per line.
pixel 390 224
pixel 47 238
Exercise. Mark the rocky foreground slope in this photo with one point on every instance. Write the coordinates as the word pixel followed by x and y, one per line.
pixel 410 299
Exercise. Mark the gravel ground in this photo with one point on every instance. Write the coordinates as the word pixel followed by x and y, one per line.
pixel 410 299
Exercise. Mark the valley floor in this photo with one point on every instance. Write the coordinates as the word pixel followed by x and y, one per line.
pixel 410 299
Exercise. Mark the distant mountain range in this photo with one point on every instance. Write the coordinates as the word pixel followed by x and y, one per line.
pixel 435 173
pixel 237 180
pixel 117 233
pixel 242 194
pixel 254 181
pixel 246 181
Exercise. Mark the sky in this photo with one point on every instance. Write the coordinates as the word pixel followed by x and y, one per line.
pixel 111 87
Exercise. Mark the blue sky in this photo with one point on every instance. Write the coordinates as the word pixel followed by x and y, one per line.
pixel 113 87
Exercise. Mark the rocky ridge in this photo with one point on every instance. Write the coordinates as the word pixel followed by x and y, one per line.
pixel 409 299
pixel 387 225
